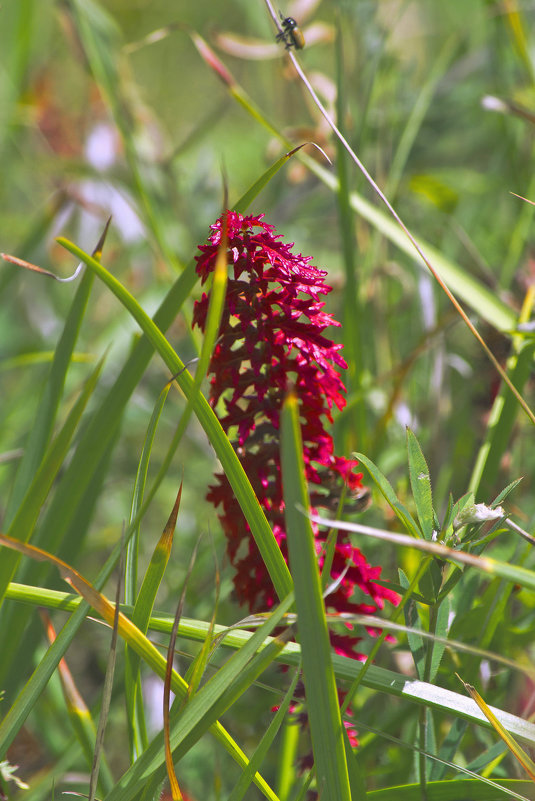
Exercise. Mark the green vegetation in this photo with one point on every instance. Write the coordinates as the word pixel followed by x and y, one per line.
pixel 163 116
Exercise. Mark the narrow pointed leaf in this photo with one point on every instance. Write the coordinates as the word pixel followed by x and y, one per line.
pixel 265 744
pixel 421 485
pixel 385 488
pixel 518 752
pixel 320 686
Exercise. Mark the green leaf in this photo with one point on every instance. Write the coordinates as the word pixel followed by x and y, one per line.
pixel 385 488
pixel 421 485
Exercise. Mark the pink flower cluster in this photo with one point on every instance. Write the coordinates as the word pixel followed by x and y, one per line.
pixel 270 339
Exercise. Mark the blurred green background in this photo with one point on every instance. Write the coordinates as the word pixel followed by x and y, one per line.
pixel 153 139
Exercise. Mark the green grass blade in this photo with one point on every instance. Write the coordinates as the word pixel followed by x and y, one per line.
pixel 130 587
pixel 199 715
pixel 107 687
pixel 500 425
pixel 26 517
pixel 265 744
pixel 320 685
pixel 412 621
pixel 95 441
pixel 441 631
pixel 138 738
pixel 472 292
pixel 254 515
pixel 209 703
pixel 245 201
pixel 79 714
pixel 417 115
pixel 485 564
pixel 465 789
pixel 47 409
pixel 346 669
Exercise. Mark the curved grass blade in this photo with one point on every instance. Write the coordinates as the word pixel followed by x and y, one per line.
pixel 95 441
pixel 375 678
pixel 200 715
pixel 47 408
pixel 254 515
pixel 213 321
pixel 467 789
pixel 200 630
pixel 320 685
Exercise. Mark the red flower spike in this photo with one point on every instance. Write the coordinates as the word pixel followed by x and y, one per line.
pixel 271 338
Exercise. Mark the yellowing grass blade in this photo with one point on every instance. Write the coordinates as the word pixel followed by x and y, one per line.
pixel 517 751
pixel 149 653
pixel 171 775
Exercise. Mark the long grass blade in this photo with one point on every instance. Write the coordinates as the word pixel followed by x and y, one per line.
pixel 25 519
pixel 518 752
pixel 246 778
pixel 254 515
pixel 138 738
pixel 201 714
pixel 79 714
pixel 320 686
pixel 107 687
pixel 171 775
pixel 375 678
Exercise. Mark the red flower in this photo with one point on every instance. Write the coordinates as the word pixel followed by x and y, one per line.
pixel 271 338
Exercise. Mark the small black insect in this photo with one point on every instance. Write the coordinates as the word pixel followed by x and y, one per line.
pixel 291 34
